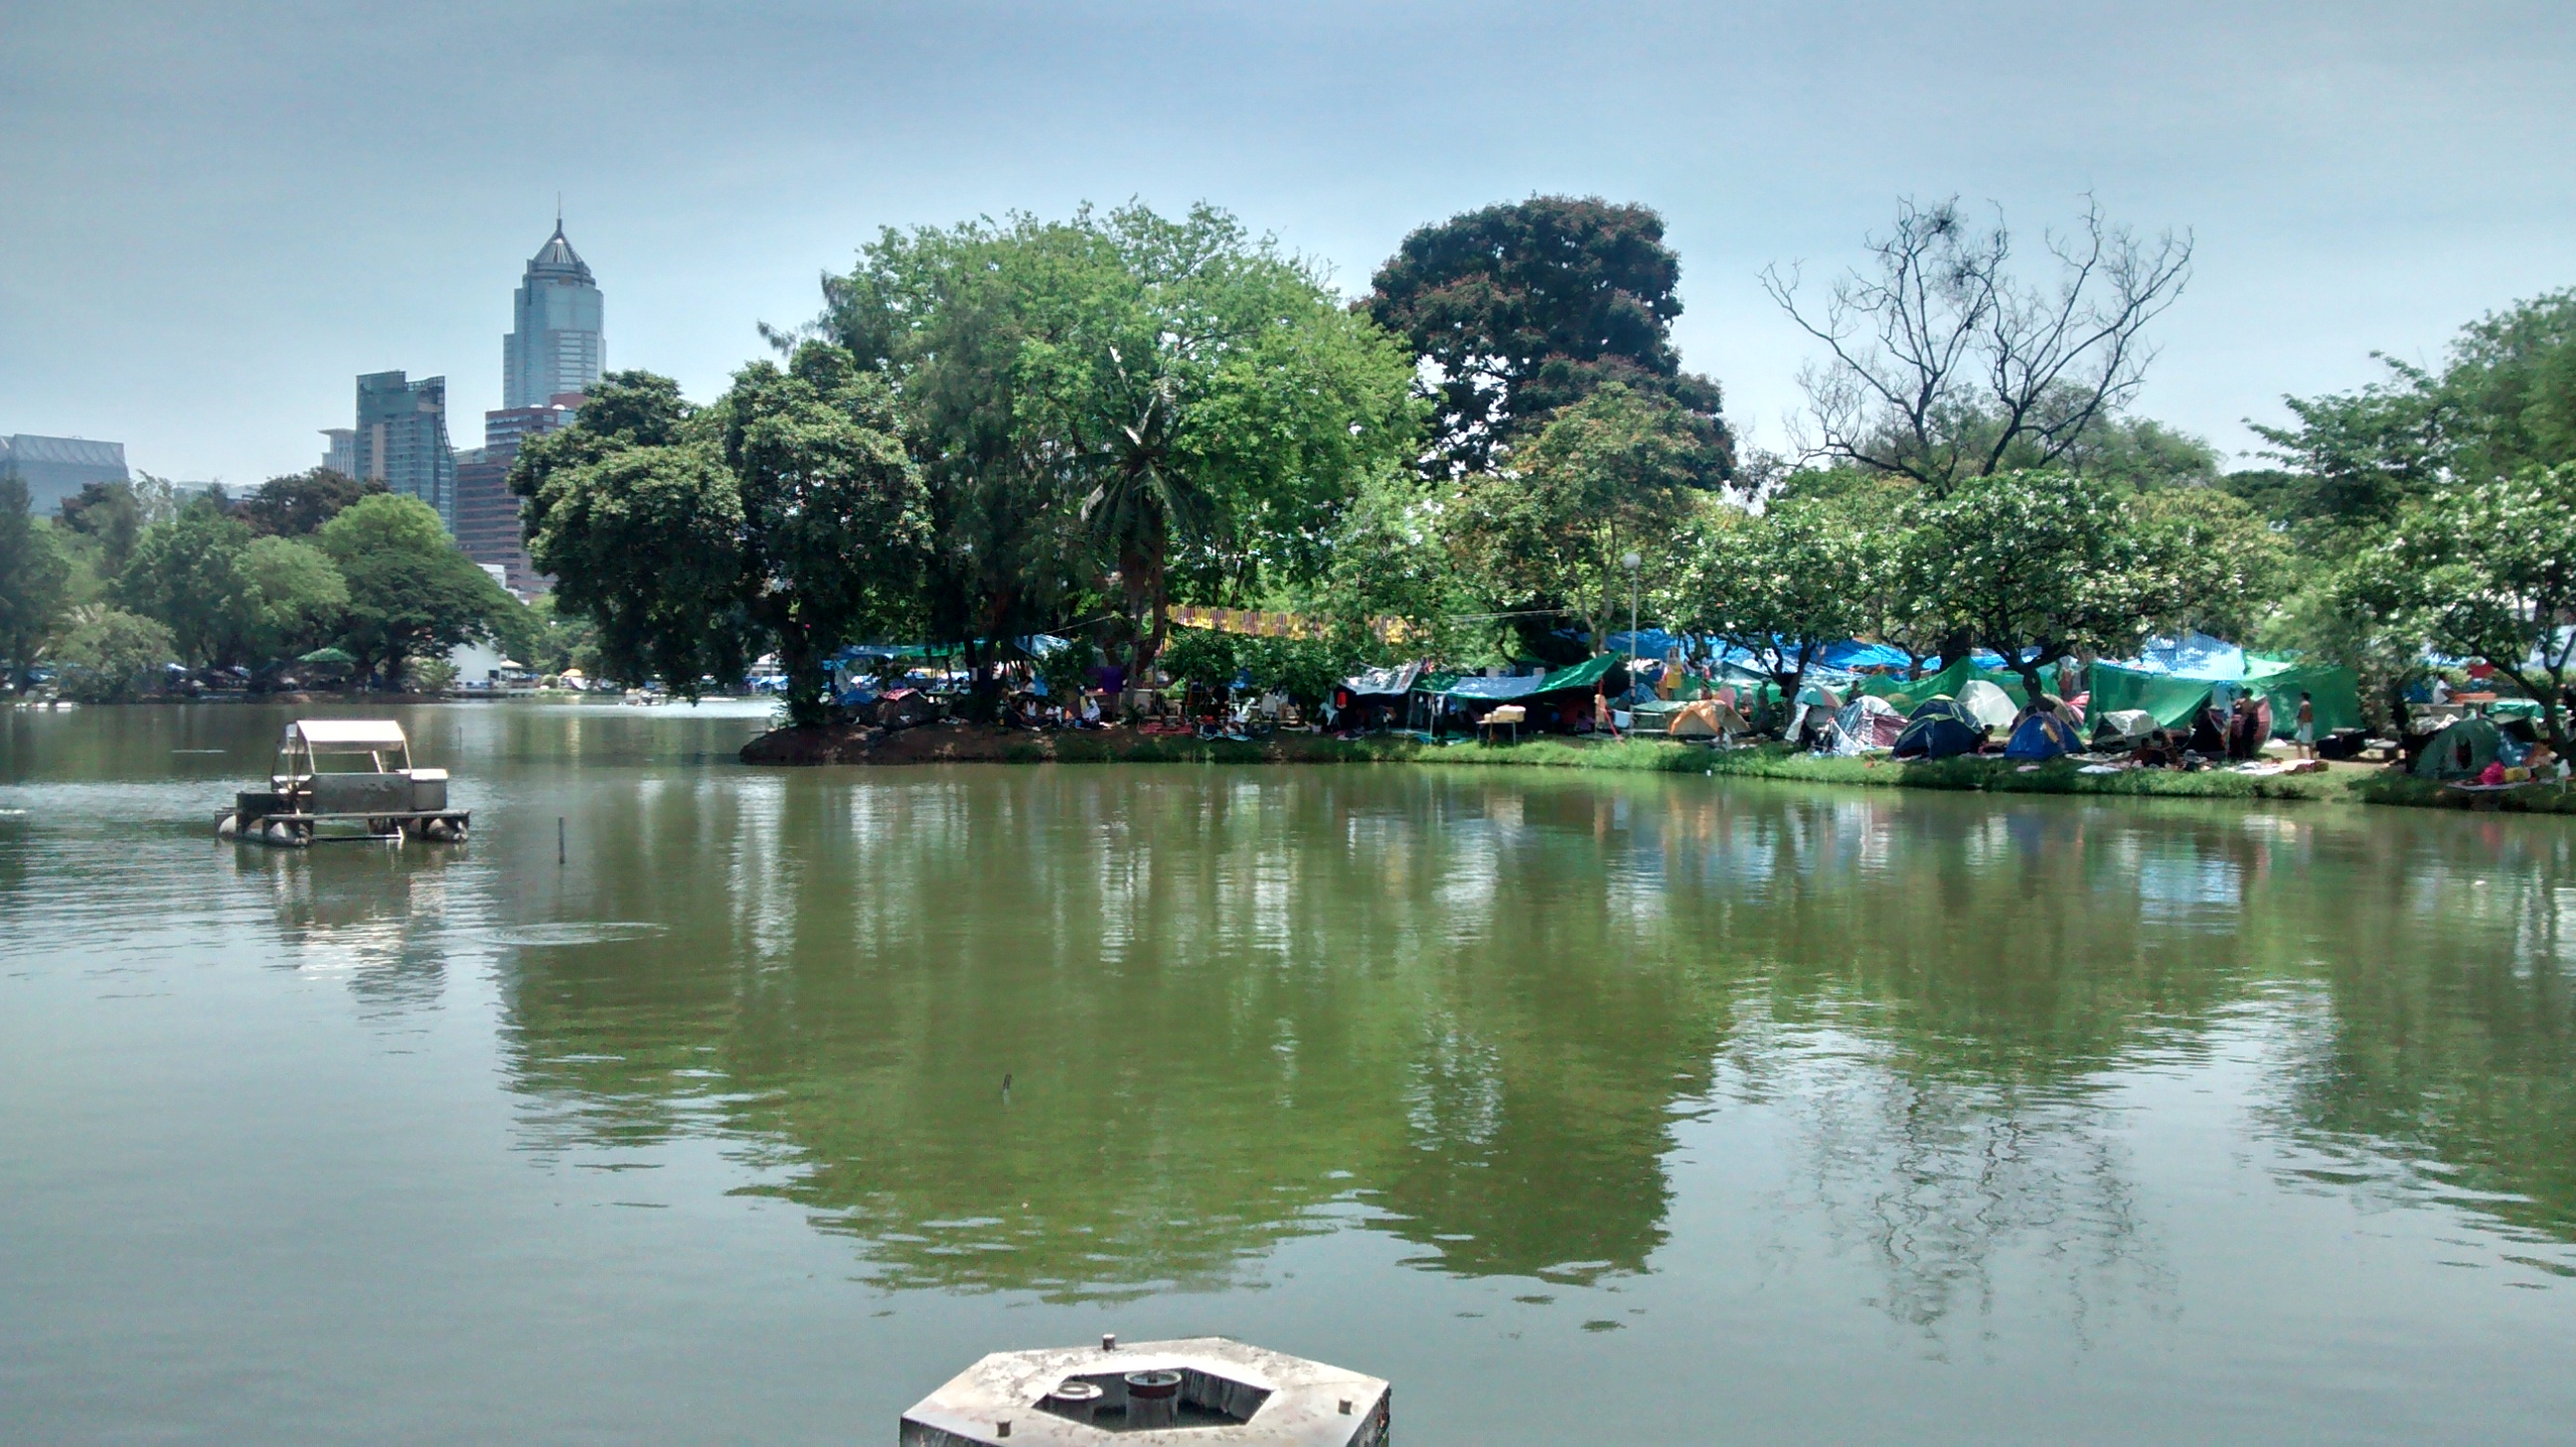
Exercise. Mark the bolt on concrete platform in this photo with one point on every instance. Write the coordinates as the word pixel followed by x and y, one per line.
pixel 1197 1392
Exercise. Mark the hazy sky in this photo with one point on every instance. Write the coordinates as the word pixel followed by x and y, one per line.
pixel 217 215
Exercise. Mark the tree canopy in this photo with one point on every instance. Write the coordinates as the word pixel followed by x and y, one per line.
pixel 411 593
pixel 35 580
pixel 1528 307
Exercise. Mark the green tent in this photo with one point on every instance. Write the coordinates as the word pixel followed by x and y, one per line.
pixel 2174 702
pixel 2460 751
pixel 1586 675
pixel 1946 683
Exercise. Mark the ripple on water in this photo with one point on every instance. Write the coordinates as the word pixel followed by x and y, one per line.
pixel 579 932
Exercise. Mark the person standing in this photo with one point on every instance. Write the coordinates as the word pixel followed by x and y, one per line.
pixel 2307 727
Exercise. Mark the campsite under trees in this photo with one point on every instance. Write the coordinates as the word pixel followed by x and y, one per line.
pixel 1009 430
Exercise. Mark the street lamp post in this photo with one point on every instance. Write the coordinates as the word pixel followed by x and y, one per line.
pixel 1632 561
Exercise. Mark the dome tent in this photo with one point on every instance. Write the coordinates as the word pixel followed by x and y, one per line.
pixel 1987 704
pixel 1940 729
pixel 2042 736
pixel 2463 749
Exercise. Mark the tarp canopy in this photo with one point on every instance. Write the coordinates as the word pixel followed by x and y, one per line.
pixel 2123 727
pixel 2332 690
pixel 1383 682
pixel 2118 688
pixel 2193 655
pixel 1477 686
pixel 354 733
pixel 1585 675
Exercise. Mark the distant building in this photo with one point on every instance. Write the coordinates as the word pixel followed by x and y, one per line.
pixel 401 439
pixel 554 345
pixel 341 453
pixel 487 512
pixel 55 468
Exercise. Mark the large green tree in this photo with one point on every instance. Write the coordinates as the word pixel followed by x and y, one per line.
pixel 411 592
pixel 1528 307
pixel 786 515
pixel 1613 474
pixel 298 504
pixel 1168 400
pixel 1784 585
pixel 186 574
pixel 35 581
pixel 2487 570
pixel 2038 565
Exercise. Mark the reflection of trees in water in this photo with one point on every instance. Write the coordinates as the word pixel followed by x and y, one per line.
pixel 374 911
pixel 2439 1060
pixel 1240 1007
pixel 1938 1180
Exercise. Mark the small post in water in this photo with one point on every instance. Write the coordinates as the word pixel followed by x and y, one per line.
pixel 559 839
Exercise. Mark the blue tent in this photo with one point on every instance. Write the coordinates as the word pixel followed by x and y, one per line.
pixel 1939 729
pixel 2041 736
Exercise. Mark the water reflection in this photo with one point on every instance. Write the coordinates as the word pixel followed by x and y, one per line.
pixel 1469 1009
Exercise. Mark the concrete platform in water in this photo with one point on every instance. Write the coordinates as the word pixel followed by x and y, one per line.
pixel 1196 1392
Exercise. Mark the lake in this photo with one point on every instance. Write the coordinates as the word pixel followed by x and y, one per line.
pixel 1623 1108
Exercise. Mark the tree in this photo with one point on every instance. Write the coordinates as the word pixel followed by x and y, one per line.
pixel 110 656
pixel 186 574
pixel 1612 475
pixel 2488 570
pixel 297 505
pixel 787 514
pixel 109 513
pixel 1523 309
pixel 635 514
pixel 1216 408
pixel 294 597
pixel 1784 585
pixel 833 514
pixel 1946 366
pixel 2036 565
pixel 34 581
pixel 2356 459
pixel 411 592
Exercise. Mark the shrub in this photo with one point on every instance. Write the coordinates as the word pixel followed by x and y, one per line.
pixel 113 655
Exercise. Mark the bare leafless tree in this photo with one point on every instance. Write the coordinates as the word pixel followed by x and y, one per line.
pixel 1945 365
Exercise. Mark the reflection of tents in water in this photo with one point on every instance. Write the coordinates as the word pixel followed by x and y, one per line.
pixel 2463 749
pixel 1940 729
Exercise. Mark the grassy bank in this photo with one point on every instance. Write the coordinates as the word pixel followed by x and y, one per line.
pixel 940 744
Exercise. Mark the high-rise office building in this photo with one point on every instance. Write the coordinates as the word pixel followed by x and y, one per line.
pixel 554 342
pixel 487 512
pixel 401 439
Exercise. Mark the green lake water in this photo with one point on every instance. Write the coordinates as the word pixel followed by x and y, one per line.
pixel 1634 1109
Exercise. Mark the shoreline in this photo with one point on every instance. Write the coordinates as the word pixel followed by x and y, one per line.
pixel 949 743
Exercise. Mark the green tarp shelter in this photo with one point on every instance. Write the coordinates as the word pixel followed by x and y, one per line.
pixel 1586 675
pixel 2174 702
pixel 1947 682
pixel 2332 690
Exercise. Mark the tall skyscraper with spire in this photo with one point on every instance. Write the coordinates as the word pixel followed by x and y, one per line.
pixel 554 343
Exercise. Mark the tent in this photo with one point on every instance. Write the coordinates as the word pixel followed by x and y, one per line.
pixel 2123 728
pixel 2043 735
pixel 1706 720
pixel 1938 730
pixel 1986 703
pixel 1866 723
pixel 2464 748
pixel 1946 683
